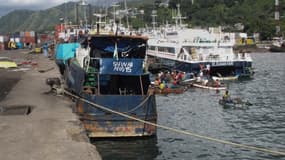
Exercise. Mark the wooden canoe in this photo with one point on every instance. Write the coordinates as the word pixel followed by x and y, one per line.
pixel 208 87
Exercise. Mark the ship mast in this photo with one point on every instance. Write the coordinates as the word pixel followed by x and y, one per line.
pixel 277 17
pixel 153 15
pixel 127 14
pixel 178 18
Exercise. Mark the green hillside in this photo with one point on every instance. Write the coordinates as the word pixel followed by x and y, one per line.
pixel 256 16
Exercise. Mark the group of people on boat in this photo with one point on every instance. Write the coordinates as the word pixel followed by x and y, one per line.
pixel 169 80
pixel 205 78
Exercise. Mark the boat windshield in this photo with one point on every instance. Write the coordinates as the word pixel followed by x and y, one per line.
pixel 126 47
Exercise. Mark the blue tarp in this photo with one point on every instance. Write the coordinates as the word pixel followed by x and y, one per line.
pixel 122 66
pixel 65 51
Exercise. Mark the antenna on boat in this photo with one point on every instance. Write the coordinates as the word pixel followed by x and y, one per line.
pixel 114 16
pixel 153 15
pixel 277 17
pixel 127 14
pixel 84 4
pixel 178 18
pixel 65 14
pixel 99 21
pixel 85 7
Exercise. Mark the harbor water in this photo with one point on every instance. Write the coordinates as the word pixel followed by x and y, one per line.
pixel 198 111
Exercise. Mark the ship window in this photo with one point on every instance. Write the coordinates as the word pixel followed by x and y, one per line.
pixel 151 47
pixel 166 49
pixel 116 84
pixel 171 50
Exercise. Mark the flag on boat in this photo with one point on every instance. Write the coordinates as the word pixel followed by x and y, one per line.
pixel 115 55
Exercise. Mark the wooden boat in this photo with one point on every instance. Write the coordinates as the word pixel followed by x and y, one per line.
pixel 200 85
pixel 229 78
pixel 177 90
pixel 187 82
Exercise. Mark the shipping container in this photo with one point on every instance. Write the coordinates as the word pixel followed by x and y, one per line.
pixel 1 39
pixel 17 39
pixel 27 34
pixel 59 28
pixel 22 34
pixel 1 46
pixel 32 34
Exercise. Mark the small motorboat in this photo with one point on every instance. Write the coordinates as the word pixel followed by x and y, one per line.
pixel 234 103
pixel 212 87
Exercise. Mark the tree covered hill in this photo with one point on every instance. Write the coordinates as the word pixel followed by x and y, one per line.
pixel 257 16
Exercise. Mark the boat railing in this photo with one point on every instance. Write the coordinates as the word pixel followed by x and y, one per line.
pixel 212 42
pixel 213 57
pixel 242 56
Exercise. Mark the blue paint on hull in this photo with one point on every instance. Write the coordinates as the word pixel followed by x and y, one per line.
pixel 122 92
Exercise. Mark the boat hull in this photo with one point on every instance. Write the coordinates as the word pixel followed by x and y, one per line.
pixel 101 123
pixel 223 68
pixel 277 49
pixel 177 90
pixel 208 87
pixel 110 79
pixel 230 78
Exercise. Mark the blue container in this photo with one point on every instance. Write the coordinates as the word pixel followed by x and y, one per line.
pixel 66 51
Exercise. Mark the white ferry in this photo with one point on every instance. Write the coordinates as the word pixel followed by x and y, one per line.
pixel 192 50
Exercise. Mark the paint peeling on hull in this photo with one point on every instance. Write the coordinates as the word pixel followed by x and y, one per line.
pixel 95 129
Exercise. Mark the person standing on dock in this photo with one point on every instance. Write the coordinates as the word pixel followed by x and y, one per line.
pixel 45 49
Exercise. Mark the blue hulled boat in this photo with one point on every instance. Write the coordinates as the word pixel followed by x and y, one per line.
pixel 108 70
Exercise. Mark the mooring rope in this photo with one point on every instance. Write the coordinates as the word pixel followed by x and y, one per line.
pixel 139 105
pixel 273 152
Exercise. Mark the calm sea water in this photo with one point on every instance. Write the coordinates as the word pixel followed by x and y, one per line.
pixel 198 111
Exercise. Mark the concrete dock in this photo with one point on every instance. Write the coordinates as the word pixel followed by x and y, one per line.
pixel 50 131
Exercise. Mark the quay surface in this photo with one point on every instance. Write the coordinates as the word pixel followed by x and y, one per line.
pixel 51 130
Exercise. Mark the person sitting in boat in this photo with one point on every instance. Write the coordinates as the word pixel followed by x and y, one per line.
pixel 168 77
pixel 217 83
pixel 200 77
pixel 162 85
pixel 156 82
pixel 174 84
pixel 161 76
pixel 227 97
pixel 179 77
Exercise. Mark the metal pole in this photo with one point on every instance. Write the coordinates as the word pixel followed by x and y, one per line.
pixel 141 85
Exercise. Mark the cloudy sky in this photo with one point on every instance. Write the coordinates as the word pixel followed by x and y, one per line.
pixel 7 6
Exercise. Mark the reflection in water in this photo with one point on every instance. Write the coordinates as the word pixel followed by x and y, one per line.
pixel 127 148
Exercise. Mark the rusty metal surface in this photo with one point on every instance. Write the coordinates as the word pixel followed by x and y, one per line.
pixel 100 123
pixel 118 128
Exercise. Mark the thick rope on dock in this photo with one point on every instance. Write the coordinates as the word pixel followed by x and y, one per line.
pixel 264 150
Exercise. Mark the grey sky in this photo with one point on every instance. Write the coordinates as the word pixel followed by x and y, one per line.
pixel 7 6
pixel 10 5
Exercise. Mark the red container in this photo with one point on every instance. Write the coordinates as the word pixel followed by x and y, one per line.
pixel 59 28
pixel 27 34
pixel 29 40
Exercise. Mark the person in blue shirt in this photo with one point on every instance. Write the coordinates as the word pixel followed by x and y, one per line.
pixel 45 49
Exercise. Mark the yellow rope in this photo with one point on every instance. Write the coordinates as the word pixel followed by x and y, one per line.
pixel 182 132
